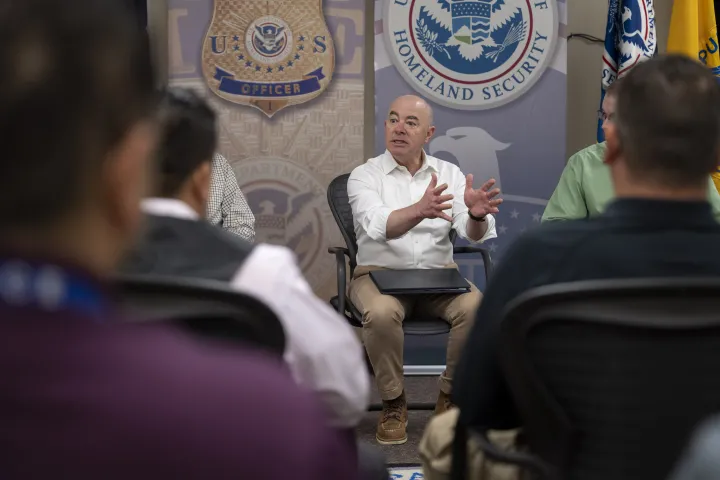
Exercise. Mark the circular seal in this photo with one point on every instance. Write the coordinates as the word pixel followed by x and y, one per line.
pixel 471 54
pixel 291 209
pixel 269 40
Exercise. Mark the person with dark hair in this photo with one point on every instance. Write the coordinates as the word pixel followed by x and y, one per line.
pixel 585 188
pixel 322 350
pixel 662 143
pixel 84 394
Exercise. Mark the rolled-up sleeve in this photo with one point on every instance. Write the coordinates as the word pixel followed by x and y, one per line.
pixel 461 217
pixel 368 208
pixel 237 216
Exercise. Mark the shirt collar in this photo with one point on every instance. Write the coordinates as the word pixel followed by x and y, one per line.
pixel 642 211
pixel 389 164
pixel 168 207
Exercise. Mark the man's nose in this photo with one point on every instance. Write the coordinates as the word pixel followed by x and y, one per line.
pixel 399 127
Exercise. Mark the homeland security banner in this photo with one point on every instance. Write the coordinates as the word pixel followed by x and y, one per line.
pixel 495 73
pixel 286 78
pixel 629 39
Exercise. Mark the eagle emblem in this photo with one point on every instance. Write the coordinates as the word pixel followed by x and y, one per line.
pixel 471 54
pixel 268 54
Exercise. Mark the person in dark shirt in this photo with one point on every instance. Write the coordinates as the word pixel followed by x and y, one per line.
pixel 84 394
pixel 662 142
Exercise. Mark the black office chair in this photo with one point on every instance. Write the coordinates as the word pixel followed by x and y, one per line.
pixel 212 310
pixel 205 308
pixel 416 324
pixel 610 376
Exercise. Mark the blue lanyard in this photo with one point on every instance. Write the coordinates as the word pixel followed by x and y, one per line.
pixel 48 287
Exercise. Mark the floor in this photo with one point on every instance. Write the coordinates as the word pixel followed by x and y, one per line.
pixel 417 389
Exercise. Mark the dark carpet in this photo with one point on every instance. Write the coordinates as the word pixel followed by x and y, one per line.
pixel 417 389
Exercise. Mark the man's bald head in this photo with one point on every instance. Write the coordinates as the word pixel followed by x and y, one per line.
pixel 408 127
pixel 418 102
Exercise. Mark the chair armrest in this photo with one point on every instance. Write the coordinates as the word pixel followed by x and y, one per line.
pixel 340 254
pixel 487 260
pixel 335 250
pixel 520 459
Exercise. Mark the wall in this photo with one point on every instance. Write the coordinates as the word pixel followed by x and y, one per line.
pixel 584 61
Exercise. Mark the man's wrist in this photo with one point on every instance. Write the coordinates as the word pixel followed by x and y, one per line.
pixel 417 212
pixel 477 219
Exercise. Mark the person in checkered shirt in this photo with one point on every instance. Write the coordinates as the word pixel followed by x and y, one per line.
pixel 226 205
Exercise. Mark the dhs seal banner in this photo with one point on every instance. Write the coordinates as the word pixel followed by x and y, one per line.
pixel 268 54
pixel 471 54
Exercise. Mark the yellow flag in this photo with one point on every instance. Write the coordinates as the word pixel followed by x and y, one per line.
pixel 693 32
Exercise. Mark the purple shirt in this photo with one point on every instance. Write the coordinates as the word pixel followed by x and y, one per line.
pixel 84 399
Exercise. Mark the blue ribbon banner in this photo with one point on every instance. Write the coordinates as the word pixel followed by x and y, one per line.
pixel 309 84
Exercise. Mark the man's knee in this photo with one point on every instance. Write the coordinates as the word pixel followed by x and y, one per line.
pixel 467 304
pixel 383 311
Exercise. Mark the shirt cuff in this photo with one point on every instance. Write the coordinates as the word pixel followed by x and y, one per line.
pixel 376 224
pixel 490 233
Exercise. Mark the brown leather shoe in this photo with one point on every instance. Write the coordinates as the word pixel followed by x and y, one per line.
pixel 392 427
pixel 443 403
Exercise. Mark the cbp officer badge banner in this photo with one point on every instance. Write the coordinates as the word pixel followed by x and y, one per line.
pixel 268 54
pixel 471 54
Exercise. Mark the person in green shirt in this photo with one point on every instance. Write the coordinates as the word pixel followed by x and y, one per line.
pixel 585 187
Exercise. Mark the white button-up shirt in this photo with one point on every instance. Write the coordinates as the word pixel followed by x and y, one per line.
pixel 322 351
pixel 380 186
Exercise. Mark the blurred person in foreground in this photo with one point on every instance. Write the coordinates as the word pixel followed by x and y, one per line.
pixel 85 395
pixel 662 143
pixel 322 351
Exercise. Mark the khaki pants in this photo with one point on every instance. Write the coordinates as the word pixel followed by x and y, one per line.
pixel 382 317
pixel 436 451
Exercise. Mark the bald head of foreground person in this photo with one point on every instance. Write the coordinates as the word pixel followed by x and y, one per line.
pixel 85 393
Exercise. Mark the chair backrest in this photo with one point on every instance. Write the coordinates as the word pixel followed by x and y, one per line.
pixel 339 202
pixel 206 308
pixel 611 376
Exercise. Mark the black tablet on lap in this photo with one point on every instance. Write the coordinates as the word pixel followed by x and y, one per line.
pixel 420 281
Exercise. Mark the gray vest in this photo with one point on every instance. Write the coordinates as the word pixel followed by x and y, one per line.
pixel 188 248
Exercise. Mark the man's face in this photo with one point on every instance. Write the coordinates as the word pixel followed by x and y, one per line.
pixel 407 128
pixel 612 142
pixel 608 108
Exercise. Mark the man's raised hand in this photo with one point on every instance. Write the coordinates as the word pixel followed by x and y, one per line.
pixel 432 204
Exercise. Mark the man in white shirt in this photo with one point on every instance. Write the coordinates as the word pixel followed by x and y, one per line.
pixel 322 351
pixel 404 204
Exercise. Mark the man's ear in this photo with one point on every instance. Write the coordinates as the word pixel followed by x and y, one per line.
pixel 430 133
pixel 613 149
pixel 201 181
